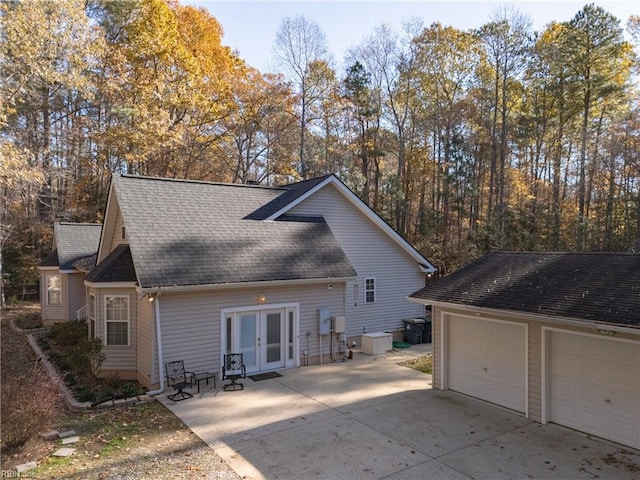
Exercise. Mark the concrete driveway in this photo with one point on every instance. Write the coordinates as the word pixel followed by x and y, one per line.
pixel 371 419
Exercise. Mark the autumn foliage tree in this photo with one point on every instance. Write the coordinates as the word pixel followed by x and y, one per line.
pixel 464 140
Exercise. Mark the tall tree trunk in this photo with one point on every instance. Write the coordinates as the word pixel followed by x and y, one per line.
pixel 304 168
pixel 45 197
pixel 582 186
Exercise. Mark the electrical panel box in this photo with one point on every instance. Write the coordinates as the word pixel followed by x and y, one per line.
pixel 339 325
pixel 324 321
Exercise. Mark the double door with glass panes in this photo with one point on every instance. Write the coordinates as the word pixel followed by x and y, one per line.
pixel 266 338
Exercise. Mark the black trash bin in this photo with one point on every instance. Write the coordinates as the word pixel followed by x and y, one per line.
pixel 413 328
pixel 427 332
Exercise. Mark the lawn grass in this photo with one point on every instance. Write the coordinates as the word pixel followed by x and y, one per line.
pixel 423 364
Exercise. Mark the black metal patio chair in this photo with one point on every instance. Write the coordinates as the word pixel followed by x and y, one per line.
pixel 179 379
pixel 233 368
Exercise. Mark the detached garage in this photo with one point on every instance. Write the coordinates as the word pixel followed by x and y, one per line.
pixel 555 336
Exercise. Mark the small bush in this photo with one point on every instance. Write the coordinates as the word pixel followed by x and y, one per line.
pixel 132 389
pixel 75 352
pixel 28 406
pixel 70 379
pixel 84 393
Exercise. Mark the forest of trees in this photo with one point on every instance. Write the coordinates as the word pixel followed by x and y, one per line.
pixel 465 141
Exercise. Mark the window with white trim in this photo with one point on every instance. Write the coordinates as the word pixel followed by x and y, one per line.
pixel 369 290
pixel 54 290
pixel 117 320
pixel 92 316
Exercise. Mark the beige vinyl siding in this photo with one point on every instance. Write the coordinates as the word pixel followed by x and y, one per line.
pixel 145 341
pixel 190 322
pixel 373 254
pixel 535 371
pixel 76 295
pixel 111 229
pixel 116 234
pixel 52 313
pixel 118 358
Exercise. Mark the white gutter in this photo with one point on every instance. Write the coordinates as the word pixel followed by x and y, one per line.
pixel 259 284
pixel 160 358
pixel 526 316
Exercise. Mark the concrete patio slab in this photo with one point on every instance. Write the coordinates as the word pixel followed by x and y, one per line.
pixel 371 418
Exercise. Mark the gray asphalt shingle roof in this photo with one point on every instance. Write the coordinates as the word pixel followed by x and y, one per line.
pixel 50 260
pixel 74 241
pixel 116 267
pixel 601 287
pixel 196 233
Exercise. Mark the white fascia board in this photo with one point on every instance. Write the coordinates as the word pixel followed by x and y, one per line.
pixel 301 198
pixel 524 316
pixel 111 284
pixel 227 286
pixel 426 266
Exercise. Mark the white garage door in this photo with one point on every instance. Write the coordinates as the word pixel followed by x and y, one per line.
pixel 594 386
pixel 487 360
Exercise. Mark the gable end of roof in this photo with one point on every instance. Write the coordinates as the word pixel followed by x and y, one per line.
pixel 332 179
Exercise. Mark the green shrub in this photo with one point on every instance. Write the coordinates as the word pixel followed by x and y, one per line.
pixel 75 352
pixel 70 379
pixel 132 389
pixel 84 393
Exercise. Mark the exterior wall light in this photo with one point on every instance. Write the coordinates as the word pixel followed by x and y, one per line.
pixel 606 332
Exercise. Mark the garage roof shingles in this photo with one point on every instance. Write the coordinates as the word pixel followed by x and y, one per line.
pixel 601 287
pixel 185 233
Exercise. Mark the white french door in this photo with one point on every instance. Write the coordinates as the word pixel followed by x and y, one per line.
pixel 245 337
pixel 266 337
pixel 271 342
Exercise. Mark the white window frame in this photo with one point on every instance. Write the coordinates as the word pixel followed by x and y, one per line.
pixel 48 289
pixel 93 309
pixel 370 290
pixel 107 321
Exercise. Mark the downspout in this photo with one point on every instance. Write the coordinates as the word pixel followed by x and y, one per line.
pixel 160 359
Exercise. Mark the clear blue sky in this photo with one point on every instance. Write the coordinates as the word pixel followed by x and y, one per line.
pixel 250 26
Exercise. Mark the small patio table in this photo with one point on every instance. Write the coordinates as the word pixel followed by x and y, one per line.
pixel 204 376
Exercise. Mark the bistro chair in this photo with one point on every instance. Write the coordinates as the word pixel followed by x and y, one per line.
pixel 233 368
pixel 179 379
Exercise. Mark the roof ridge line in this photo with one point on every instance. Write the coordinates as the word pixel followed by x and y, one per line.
pixel 201 182
pixel 79 223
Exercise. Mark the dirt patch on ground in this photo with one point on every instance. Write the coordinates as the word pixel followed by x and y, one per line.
pixel 141 441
